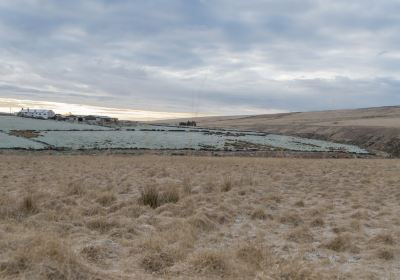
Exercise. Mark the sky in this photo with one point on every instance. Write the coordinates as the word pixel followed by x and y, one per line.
pixel 159 59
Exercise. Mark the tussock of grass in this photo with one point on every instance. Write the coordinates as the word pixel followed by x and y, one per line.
pixel 291 270
pixel 317 222
pixel 106 199
pixel 202 223
pixel 101 224
pixel 171 195
pixel 157 261
pixel 291 219
pixel 274 197
pixel 300 203
pixel 208 261
pixel 383 238
pixel 227 184
pixel 92 253
pixel 28 205
pixel 7 207
pixel 187 186
pixel 339 244
pixel 254 255
pixel 301 235
pixel 75 188
pixel 150 196
pixel 385 253
pixel 43 256
pixel 259 214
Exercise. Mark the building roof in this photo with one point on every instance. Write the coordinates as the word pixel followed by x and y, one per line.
pixel 35 111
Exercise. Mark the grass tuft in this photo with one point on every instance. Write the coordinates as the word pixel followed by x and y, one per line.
pixel 227 184
pixel 291 219
pixel 106 199
pixel 383 238
pixel 300 203
pixel 385 253
pixel 339 244
pixel 259 214
pixel 300 235
pixel 208 261
pixel 157 261
pixel 44 256
pixel 317 222
pixel 28 205
pixel 150 196
pixel 171 195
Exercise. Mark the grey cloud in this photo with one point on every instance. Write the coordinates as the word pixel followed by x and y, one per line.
pixel 239 55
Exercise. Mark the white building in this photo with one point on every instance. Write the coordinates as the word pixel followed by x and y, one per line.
pixel 36 113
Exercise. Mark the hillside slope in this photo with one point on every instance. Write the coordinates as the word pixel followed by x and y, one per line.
pixel 377 129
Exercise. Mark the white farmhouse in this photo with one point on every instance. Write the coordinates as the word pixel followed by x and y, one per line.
pixel 36 113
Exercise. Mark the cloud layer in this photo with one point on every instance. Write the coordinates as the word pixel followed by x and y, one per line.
pixel 203 57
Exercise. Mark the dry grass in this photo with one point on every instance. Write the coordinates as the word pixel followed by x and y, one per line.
pixel 259 213
pixel 155 217
pixel 210 261
pixel 170 195
pixel 385 253
pixel 150 196
pixel 44 256
pixel 339 244
pixel 227 184
pixel 317 222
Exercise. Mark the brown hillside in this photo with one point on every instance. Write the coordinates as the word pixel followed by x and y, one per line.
pixel 377 129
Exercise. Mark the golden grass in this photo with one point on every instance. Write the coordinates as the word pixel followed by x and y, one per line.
pixel 161 217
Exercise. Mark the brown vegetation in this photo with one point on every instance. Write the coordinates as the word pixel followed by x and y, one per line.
pixel 161 217
pixel 25 133
pixel 373 128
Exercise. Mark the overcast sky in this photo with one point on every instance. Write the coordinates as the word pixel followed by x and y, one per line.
pixel 205 57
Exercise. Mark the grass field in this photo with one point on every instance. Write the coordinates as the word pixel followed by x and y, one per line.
pixel 160 217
